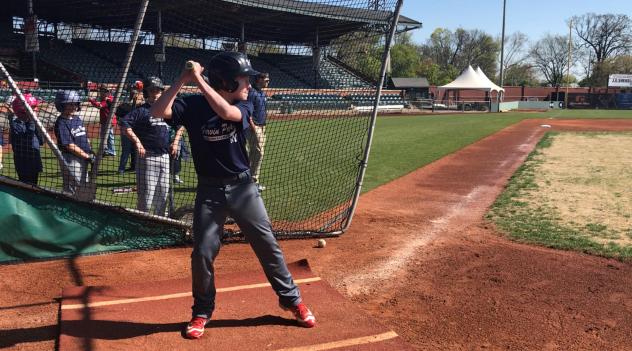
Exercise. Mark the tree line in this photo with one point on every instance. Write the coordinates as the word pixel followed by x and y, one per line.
pixel 601 45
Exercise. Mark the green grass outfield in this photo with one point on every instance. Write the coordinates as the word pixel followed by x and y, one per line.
pixel 310 164
pixel 404 144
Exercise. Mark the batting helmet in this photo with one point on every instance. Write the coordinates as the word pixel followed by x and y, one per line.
pixel 153 82
pixel 67 97
pixel 18 107
pixel 224 67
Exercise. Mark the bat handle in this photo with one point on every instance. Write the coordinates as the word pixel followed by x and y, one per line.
pixel 189 65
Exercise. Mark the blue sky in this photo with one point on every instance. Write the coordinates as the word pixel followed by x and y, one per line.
pixel 534 17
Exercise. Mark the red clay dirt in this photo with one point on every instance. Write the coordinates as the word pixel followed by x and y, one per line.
pixel 247 318
pixel 419 257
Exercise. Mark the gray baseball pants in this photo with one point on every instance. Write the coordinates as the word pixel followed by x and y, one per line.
pixel 76 179
pixel 239 198
pixel 152 182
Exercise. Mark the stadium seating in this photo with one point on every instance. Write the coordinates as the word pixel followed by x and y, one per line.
pixel 291 102
pixel 82 62
pixel 369 100
pixel 100 61
pixel 328 76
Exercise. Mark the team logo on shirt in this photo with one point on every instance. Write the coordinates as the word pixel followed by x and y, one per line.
pixel 77 132
pixel 157 122
pixel 218 133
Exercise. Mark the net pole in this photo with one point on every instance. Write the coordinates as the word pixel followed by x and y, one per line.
pixel 38 124
pixel 367 149
pixel 119 90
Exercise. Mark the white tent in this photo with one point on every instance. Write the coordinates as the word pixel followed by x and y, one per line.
pixel 487 80
pixel 472 80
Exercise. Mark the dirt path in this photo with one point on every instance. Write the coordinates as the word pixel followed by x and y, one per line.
pixel 418 257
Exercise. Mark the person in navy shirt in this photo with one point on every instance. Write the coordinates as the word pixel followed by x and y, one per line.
pixel 216 122
pixel 150 136
pixel 25 141
pixel 257 132
pixel 72 140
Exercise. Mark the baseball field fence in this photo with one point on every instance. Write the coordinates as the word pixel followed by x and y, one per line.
pixel 326 62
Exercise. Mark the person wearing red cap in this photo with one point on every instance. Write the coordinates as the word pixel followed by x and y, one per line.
pixel 25 141
pixel 104 104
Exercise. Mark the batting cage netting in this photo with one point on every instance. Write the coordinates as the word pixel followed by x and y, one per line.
pixel 75 75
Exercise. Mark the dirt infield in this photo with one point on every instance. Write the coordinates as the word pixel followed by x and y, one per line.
pixel 419 257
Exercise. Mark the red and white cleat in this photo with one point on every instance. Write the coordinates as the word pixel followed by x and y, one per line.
pixel 195 328
pixel 303 315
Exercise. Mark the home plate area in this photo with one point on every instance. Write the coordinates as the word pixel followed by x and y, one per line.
pixel 152 316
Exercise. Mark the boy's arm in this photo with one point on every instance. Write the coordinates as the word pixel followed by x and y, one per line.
pixel 175 144
pixel 222 107
pixel 94 103
pixel 77 151
pixel 162 107
pixel 134 138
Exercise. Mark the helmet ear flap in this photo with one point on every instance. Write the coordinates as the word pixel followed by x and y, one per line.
pixel 232 86
pixel 220 83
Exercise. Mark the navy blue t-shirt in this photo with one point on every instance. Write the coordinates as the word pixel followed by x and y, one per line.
pixel 71 131
pixel 258 99
pixel 24 136
pixel 218 146
pixel 152 132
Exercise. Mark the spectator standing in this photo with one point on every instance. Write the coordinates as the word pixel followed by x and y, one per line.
pixel 150 136
pixel 127 147
pixel 257 133
pixel 105 105
pixel 25 141
pixel 72 140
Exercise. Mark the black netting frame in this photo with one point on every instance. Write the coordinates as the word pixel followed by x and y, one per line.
pixel 326 62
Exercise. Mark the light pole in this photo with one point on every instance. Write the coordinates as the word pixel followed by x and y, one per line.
pixel 502 47
pixel 568 67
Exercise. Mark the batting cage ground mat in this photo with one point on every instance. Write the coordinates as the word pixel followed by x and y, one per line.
pixel 152 316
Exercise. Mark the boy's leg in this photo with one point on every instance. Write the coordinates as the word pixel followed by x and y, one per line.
pixel 162 187
pixel 126 150
pixel 110 149
pixel 246 206
pixel 144 186
pixel 256 141
pixel 208 224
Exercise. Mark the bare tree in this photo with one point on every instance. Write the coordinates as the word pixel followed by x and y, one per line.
pixel 550 56
pixel 515 50
pixel 606 35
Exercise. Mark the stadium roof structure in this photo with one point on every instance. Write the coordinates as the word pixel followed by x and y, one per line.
pixel 281 21
pixel 400 83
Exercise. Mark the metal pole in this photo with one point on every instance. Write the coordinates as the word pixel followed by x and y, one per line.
pixel 38 124
pixel 568 68
pixel 367 149
pixel 119 91
pixel 159 25
pixel 33 54
pixel 502 49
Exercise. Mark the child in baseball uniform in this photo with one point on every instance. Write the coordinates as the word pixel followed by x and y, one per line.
pixel 216 122
pixel 150 136
pixel 72 140
pixel 25 141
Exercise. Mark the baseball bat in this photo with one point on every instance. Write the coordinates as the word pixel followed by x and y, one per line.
pixel 189 64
